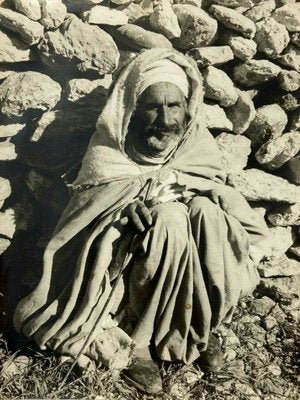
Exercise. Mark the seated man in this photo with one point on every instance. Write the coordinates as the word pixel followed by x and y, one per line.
pixel 153 251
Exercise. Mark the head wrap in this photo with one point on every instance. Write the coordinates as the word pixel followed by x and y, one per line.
pixel 164 71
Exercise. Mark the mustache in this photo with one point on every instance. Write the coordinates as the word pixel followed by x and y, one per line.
pixel 163 128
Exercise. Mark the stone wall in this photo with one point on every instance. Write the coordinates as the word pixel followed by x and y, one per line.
pixel 57 60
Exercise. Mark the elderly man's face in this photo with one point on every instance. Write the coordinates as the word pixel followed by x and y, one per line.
pixel 160 119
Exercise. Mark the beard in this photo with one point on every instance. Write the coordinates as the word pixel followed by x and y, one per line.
pixel 162 138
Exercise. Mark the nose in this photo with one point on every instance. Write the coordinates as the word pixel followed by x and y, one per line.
pixel 163 115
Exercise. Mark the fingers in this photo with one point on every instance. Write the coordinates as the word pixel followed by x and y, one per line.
pixel 219 199
pixel 139 215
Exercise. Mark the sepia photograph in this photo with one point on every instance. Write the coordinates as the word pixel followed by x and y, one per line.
pixel 150 199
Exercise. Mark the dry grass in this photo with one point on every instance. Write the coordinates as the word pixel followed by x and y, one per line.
pixel 264 368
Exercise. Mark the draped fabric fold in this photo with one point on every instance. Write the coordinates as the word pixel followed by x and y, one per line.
pixel 194 267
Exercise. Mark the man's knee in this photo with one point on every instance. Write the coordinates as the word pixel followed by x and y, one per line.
pixel 170 215
pixel 202 205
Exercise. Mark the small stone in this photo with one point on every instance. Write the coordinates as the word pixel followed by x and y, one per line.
pixel 261 10
pixel 105 16
pixel 29 30
pixel 7 151
pixel 254 72
pixel 289 16
pixel 15 366
pixel 278 288
pixel 79 46
pixel 85 90
pixel 276 152
pixel 280 240
pixel 30 8
pixel 242 113
pixel 5 190
pixel 285 215
pixel 213 55
pixel 53 13
pixel 216 118
pixel 290 101
pixel 234 151
pixel 262 306
pixel 282 267
pixel 204 28
pixel 258 185
pixel 25 91
pixel 274 369
pixel 7 223
pixel 269 322
pixel 292 170
pixel 242 48
pixel 246 390
pixel 10 130
pixel 4 245
pixel 229 337
pixel 13 50
pixel 271 37
pixel 289 80
pixel 163 19
pixel 218 86
pixel 230 354
pixel 234 20
pixel 139 38
pixel 136 11
pixel 269 122
pixel 295 38
pixel 290 57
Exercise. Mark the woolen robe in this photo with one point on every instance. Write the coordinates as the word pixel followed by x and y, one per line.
pixel 184 274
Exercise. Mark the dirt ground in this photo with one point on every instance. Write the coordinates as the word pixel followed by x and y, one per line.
pixel 261 348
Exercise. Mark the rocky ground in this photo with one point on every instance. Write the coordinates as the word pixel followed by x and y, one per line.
pixel 58 59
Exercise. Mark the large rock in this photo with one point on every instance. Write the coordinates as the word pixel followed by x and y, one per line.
pixel 290 101
pixel 253 72
pixel 5 190
pixel 258 185
pixel 218 86
pixel 242 113
pixel 136 11
pixel 261 10
pixel 292 170
pixel 7 151
pixel 7 223
pixel 138 38
pixel 285 215
pixel 242 48
pixel 197 27
pixel 86 91
pixel 276 152
pixel 280 240
pixel 31 8
pixel 283 267
pixel 290 57
pixel 289 80
pixel 216 118
pixel 25 91
pixel 105 16
pixel 53 13
pixel 163 20
pixel 235 150
pixel 30 31
pixel 13 50
pixel 269 122
pixel 10 130
pixel 271 37
pixel 288 16
pixel 234 20
pixel 234 3
pixel 5 71
pixel 81 47
pixel 213 55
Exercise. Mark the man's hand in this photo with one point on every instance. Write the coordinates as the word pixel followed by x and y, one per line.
pixel 138 214
pixel 218 197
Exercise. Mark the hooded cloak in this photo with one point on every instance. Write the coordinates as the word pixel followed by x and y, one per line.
pixel 80 261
